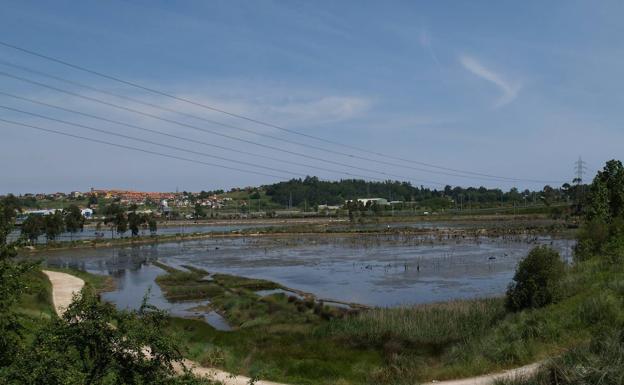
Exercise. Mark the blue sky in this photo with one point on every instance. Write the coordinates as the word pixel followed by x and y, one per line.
pixel 517 89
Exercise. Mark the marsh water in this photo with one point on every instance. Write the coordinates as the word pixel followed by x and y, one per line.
pixel 105 232
pixel 375 270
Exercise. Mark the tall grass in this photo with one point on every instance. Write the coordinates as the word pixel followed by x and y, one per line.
pixel 600 362
pixel 434 324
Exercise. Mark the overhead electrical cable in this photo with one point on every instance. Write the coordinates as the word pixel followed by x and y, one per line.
pixel 145 140
pixel 204 129
pixel 136 148
pixel 265 135
pixel 260 122
pixel 190 140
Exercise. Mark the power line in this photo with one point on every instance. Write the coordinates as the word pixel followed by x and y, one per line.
pixel 136 148
pixel 194 141
pixel 211 108
pixel 96 100
pixel 152 105
pixel 142 140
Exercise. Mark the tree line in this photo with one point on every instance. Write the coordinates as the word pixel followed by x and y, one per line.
pixel 53 225
pixel 72 221
pixel 313 192
pixel 121 220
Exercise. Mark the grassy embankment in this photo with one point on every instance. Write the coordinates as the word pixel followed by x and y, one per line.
pixel 36 301
pixel 401 345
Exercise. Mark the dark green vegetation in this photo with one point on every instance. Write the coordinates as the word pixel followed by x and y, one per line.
pixel 53 225
pixel 236 299
pixel 600 361
pixel 312 192
pixel 537 281
pixel 72 221
pixel 121 220
pixel 287 352
pixel 599 358
pixel 36 347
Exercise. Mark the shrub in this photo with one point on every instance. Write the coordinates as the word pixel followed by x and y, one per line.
pixel 599 362
pixel 537 280
pixel 591 236
pixel 598 238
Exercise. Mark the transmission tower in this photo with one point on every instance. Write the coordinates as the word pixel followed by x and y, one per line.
pixel 580 166
pixel 579 194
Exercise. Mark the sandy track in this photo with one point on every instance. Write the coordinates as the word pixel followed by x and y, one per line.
pixel 489 379
pixel 64 286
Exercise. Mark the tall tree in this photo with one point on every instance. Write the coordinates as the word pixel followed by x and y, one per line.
pixel 74 220
pixel 54 225
pixel 199 211
pixel 32 228
pixel 153 226
pixel 134 222
pixel 12 284
pixel 607 193
pixel 115 216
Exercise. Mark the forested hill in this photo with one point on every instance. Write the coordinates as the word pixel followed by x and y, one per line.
pixel 312 191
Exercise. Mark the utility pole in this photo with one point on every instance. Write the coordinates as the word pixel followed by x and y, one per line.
pixel 580 167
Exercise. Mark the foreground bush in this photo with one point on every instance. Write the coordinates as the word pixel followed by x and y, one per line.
pixel 599 362
pixel 95 344
pixel 537 280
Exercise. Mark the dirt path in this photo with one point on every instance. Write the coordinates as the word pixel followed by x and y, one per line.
pixel 64 286
pixel 489 379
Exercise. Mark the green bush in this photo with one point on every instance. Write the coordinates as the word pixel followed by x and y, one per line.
pixel 598 362
pixel 537 280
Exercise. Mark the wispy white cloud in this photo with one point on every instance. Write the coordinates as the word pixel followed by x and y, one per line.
pixel 301 109
pixel 508 89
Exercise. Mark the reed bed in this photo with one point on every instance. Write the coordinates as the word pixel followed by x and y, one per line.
pixel 434 324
